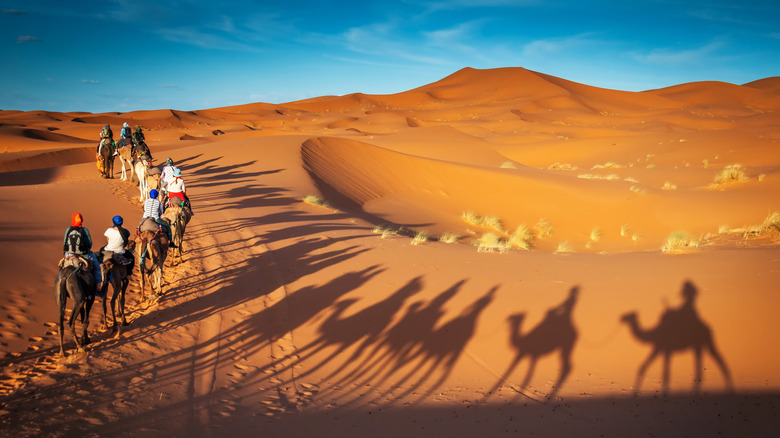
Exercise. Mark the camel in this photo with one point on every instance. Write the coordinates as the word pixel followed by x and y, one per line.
pixel 141 167
pixel 678 330
pixel 118 276
pixel 74 280
pixel 126 154
pixel 178 216
pixel 151 247
pixel 106 157
pixel 555 332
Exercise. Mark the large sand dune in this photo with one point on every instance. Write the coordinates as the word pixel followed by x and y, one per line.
pixel 297 319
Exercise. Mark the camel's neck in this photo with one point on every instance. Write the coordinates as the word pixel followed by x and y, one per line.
pixel 516 337
pixel 638 332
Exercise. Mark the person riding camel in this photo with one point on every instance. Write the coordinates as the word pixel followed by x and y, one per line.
pixel 153 210
pixel 78 241
pixel 167 174
pixel 176 190
pixel 139 142
pixel 126 132
pixel 106 137
pixel 117 237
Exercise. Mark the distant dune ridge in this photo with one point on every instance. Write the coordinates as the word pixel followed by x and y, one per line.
pixel 370 265
pixel 521 146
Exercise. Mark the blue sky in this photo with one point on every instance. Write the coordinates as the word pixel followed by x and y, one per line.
pixel 126 55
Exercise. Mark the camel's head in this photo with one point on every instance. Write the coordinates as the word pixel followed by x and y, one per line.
pixel 516 319
pixel 628 317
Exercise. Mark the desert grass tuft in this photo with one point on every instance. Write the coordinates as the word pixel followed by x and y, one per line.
pixel 473 218
pixel 450 238
pixel 679 241
pixel 385 231
pixel 564 247
pixel 561 166
pixel 491 242
pixel 772 221
pixel 543 229
pixel 521 238
pixel 316 200
pixel 420 238
pixel 732 172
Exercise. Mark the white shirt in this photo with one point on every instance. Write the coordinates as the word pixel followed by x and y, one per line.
pixel 115 242
pixel 176 185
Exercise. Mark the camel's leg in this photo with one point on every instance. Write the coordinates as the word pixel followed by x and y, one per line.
pixel 104 292
pixel 61 297
pixel 722 364
pixel 565 369
pixel 697 379
pixel 640 375
pixel 530 373
pixel 125 283
pixel 77 304
pixel 665 382
pixel 87 307
pixel 506 374
pixel 62 326
pixel 114 296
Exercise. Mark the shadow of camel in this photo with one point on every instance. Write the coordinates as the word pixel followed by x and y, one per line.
pixel 555 332
pixel 678 330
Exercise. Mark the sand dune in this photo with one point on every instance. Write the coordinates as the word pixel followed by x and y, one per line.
pixel 302 319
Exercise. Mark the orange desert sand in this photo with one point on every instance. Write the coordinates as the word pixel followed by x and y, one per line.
pixel 448 231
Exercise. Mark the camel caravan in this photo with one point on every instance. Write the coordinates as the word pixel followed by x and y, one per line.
pixel 85 275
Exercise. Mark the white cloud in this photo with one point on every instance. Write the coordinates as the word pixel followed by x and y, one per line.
pixel 28 39
pixel 670 57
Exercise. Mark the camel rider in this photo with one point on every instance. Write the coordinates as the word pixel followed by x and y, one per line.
pixel 106 137
pixel 117 237
pixel 126 132
pixel 153 210
pixel 177 193
pixel 78 241
pixel 139 141
pixel 167 173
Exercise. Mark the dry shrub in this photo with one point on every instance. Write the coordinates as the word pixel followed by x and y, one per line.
pixel 491 242
pixel 732 172
pixel 679 241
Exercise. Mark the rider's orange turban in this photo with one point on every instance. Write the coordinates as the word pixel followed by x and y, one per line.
pixel 76 220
